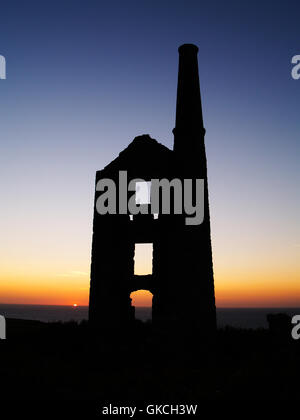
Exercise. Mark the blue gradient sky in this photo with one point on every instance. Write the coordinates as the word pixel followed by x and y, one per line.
pixel 85 77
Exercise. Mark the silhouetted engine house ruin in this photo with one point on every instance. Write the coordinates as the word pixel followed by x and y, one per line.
pixel 182 281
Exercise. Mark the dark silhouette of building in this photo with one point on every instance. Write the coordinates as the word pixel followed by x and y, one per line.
pixel 182 275
pixel 280 325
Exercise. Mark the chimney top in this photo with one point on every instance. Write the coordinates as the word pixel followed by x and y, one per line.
pixel 188 49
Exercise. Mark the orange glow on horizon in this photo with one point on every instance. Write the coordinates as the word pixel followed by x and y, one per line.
pixel 245 285
pixel 228 294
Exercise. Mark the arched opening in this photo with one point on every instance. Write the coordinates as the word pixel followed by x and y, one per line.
pixel 142 301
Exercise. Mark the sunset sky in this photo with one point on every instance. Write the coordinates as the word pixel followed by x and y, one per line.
pixel 85 78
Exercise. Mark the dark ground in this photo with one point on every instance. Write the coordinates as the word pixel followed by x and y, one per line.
pixel 58 361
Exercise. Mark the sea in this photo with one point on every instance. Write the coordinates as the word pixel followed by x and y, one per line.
pixel 233 317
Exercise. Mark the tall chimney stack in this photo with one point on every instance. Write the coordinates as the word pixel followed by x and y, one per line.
pixel 194 263
pixel 189 131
